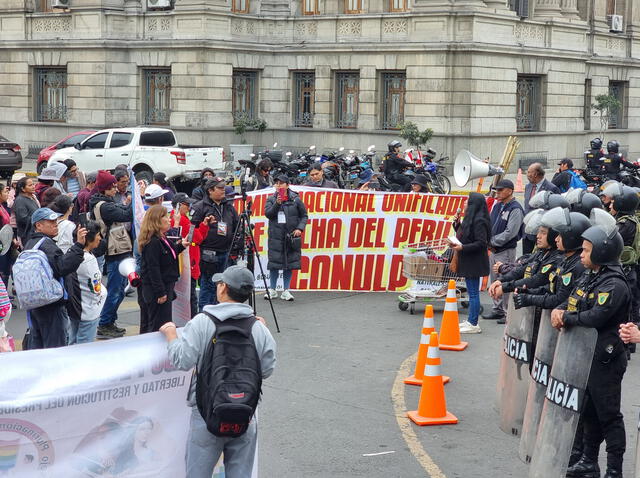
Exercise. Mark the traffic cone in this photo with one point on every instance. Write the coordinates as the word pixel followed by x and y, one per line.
pixel 519 185
pixel 432 407
pixel 428 326
pixel 450 328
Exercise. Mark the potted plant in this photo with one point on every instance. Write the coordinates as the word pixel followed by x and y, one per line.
pixel 411 134
pixel 241 125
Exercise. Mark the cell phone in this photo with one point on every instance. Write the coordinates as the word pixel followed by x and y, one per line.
pixel 282 194
pixel 190 234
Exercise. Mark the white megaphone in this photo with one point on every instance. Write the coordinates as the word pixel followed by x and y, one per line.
pixel 468 167
pixel 127 268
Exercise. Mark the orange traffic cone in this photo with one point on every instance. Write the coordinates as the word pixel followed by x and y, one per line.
pixel 519 185
pixel 432 407
pixel 450 328
pixel 428 326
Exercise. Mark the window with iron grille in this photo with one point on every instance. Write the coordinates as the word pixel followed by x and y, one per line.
pixel 157 96
pixel 352 6
pixel 50 94
pixel 393 90
pixel 617 118
pixel 304 88
pixel 587 104
pixel 310 7
pixel 347 98
pixel 528 103
pixel 245 94
pixel 240 6
pixel 397 5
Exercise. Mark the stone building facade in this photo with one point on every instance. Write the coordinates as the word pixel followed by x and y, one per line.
pixel 326 72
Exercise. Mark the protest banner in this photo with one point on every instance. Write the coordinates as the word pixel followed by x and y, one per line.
pixel 181 306
pixel 354 240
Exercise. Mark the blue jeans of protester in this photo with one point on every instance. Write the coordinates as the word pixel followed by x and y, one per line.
pixel 273 278
pixel 82 331
pixel 207 287
pixel 116 284
pixel 473 289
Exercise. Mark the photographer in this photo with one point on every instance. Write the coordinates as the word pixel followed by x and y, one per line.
pixel 216 246
pixel 261 179
pixel 287 219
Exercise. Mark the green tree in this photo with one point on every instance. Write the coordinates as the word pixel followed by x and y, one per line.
pixel 606 106
pixel 242 125
pixel 409 131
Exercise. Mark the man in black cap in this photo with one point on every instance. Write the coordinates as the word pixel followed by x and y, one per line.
pixel 563 177
pixel 506 229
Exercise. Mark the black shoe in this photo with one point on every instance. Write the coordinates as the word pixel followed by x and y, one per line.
pixel 501 320
pixel 585 468
pixel 493 316
pixel 575 457
pixel 115 327
pixel 107 332
pixel 613 474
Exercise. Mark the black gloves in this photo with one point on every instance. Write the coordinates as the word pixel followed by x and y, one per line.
pixel 520 300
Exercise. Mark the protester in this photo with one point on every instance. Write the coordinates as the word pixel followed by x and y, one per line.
pixel 160 179
pixel 159 268
pixel 50 177
pixel 287 219
pixel 154 194
pixel 85 194
pixel 24 206
pixel 73 179
pixel 317 180
pixel 506 230
pixel 111 217
pixel 198 192
pixel 420 184
pixel 472 261
pixel 233 288
pixel 87 294
pixel 6 259
pixel 562 179
pixel 64 239
pixel 6 344
pixel 261 179
pixel 218 245
pixel 49 196
pixel 48 324
pixel 537 183
pixel 123 195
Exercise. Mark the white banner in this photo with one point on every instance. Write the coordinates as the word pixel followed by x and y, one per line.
pixel 181 306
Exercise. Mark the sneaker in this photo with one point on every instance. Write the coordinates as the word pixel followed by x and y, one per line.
pixel 471 329
pixel 286 295
pixel 464 325
pixel 271 293
pixel 115 327
pixel 106 332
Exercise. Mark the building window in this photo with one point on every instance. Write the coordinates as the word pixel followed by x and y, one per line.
pixel 50 94
pixel 617 118
pixel 528 103
pixel 310 7
pixel 240 6
pixel 352 6
pixel 157 96
pixel 393 90
pixel 245 94
pixel 397 5
pixel 304 87
pixel 347 93
pixel 587 104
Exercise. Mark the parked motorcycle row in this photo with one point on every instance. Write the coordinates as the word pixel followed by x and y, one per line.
pixel 603 164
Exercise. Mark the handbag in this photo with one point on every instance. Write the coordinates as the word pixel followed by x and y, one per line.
pixel 208 256
pixel 294 243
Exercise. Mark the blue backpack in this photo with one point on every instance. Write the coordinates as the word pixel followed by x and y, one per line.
pixel 34 281
pixel 576 181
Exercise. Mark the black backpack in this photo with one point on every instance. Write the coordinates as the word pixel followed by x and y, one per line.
pixel 229 381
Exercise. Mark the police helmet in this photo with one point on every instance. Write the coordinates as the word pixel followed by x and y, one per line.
pixel 547 200
pixel 613 146
pixel 607 245
pixel 586 203
pixel 569 225
pixel 596 143
pixel 393 145
pixel 532 221
pixel 627 202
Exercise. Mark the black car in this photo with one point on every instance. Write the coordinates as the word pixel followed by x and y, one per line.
pixel 10 157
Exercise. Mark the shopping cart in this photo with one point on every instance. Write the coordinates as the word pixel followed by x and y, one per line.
pixel 427 263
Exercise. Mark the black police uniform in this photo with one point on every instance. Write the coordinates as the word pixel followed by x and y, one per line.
pixel 627 228
pixel 593 160
pixel 394 167
pixel 611 163
pixel 601 301
pixel 532 273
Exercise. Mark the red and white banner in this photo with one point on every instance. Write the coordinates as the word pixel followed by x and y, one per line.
pixel 354 240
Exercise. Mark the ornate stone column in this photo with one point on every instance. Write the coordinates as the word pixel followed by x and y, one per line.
pixel 569 9
pixel 547 8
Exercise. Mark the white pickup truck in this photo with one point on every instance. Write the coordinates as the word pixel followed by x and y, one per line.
pixel 146 150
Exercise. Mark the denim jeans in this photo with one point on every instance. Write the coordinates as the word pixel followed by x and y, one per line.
pixel 82 331
pixel 116 284
pixel 207 287
pixel 473 289
pixel 286 278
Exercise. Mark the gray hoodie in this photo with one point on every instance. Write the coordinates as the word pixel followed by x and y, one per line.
pixel 188 349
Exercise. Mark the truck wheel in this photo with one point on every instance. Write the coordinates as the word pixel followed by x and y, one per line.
pixel 145 174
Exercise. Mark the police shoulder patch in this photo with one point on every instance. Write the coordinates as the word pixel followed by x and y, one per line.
pixel 546 268
pixel 603 297
pixel 566 278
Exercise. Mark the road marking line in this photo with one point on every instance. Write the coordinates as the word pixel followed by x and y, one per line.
pixel 378 454
pixel 406 427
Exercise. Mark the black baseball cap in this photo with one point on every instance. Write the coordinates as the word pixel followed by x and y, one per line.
pixel 566 161
pixel 504 184
pixel 181 198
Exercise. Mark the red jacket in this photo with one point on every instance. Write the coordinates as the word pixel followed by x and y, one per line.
pixel 199 233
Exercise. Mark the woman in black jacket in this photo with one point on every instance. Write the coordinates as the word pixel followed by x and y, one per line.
pixel 158 270
pixel 287 219
pixel 473 260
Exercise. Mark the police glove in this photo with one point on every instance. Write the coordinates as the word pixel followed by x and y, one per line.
pixel 520 300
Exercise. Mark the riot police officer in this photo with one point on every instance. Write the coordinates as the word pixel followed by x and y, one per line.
pixel 600 300
pixel 582 201
pixel 592 158
pixel 395 165
pixel 613 160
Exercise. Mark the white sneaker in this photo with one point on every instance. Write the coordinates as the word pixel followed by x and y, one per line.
pixel 471 329
pixel 464 325
pixel 271 293
pixel 286 295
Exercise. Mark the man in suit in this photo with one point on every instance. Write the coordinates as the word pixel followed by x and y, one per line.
pixel 537 183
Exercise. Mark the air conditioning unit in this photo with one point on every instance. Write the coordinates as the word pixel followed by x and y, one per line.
pixel 60 3
pixel 157 4
pixel 615 23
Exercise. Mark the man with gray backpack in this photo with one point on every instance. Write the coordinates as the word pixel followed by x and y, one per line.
pixel 38 279
pixel 232 353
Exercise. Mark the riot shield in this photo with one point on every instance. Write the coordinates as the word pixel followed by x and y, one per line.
pixel 513 381
pixel 540 371
pixel 563 402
